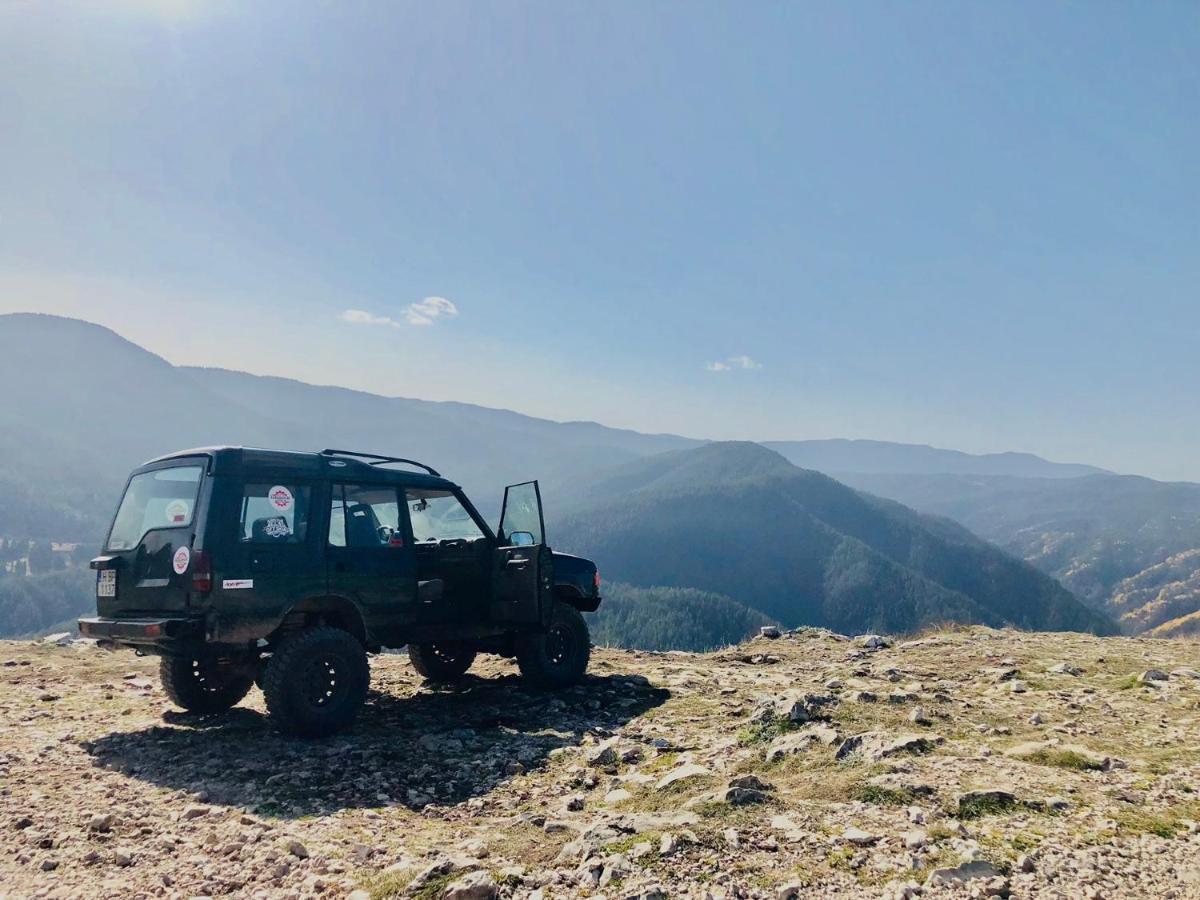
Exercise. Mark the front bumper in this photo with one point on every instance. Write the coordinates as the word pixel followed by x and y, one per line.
pixel 141 632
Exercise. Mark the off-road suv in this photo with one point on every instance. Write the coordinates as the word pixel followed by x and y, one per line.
pixel 284 569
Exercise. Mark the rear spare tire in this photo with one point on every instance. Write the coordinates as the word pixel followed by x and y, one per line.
pixel 316 681
pixel 441 662
pixel 558 656
pixel 204 684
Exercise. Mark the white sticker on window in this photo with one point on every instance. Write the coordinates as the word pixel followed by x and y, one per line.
pixel 277 527
pixel 237 584
pixel 177 512
pixel 179 562
pixel 280 498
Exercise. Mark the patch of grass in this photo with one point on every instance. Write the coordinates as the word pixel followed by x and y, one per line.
pixel 1064 759
pixel 765 732
pixel 1142 822
pixel 936 833
pixel 712 809
pixel 840 858
pixel 978 807
pixel 661 763
pixel 627 843
pixel 1127 683
pixel 1023 841
pixel 386 885
pixel 882 796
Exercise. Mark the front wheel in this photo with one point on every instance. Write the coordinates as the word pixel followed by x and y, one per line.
pixel 441 662
pixel 558 656
pixel 204 684
pixel 316 681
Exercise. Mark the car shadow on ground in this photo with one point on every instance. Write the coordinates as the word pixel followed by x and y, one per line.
pixel 440 745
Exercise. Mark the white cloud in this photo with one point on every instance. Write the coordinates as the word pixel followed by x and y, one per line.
pixel 427 310
pixel 362 317
pixel 422 313
pixel 730 363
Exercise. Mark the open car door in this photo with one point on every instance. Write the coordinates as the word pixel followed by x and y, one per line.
pixel 522 576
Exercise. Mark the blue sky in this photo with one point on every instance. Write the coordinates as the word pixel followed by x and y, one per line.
pixel 972 225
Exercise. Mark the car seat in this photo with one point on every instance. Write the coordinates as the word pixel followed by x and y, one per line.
pixel 362 526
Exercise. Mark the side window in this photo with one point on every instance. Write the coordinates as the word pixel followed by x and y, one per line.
pixel 437 515
pixel 275 513
pixel 365 515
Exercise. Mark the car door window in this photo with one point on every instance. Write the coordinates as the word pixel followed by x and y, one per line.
pixel 363 516
pixel 438 515
pixel 274 513
pixel 522 513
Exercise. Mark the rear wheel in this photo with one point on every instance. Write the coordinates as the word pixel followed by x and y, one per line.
pixel 558 656
pixel 316 681
pixel 204 684
pixel 441 662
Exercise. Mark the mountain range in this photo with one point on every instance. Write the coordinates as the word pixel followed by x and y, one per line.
pixel 85 406
pixel 739 520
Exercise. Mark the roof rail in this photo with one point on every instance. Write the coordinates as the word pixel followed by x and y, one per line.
pixel 377 460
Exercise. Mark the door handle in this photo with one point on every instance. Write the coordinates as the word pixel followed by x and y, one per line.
pixel 517 563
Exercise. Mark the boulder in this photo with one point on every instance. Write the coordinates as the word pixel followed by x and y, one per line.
pixel 472 886
pixel 681 773
pixel 875 745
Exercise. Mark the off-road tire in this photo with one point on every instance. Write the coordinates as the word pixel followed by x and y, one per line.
pixel 441 663
pixel 202 684
pixel 316 682
pixel 557 657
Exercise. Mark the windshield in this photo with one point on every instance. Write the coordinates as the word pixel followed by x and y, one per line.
pixel 438 516
pixel 164 498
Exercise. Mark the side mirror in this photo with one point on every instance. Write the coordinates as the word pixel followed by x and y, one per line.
pixel 521 539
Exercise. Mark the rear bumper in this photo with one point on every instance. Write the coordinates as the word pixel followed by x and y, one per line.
pixel 141 632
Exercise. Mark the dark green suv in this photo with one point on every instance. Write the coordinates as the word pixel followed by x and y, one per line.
pixel 241 566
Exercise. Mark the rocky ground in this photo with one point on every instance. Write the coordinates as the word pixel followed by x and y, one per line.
pixel 960 764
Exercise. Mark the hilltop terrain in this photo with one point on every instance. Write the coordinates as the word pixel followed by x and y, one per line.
pixel 964 763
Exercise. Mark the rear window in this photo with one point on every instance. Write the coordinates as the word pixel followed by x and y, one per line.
pixel 275 513
pixel 164 498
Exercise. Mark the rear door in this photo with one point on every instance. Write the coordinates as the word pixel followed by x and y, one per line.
pixel 268 556
pixel 370 555
pixel 523 576
pixel 147 555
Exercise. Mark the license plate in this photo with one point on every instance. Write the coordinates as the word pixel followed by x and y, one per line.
pixel 106 583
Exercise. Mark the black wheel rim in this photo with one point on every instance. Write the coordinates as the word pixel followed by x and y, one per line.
pixel 324 681
pixel 444 653
pixel 559 647
pixel 209 675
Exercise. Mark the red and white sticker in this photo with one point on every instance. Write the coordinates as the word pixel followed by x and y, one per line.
pixel 177 512
pixel 280 498
pixel 179 562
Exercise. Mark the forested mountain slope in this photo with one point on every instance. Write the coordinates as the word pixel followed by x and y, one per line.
pixel 739 520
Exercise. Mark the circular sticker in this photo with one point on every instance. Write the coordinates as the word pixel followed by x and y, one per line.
pixel 177 512
pixel 280 498
pixel 179 562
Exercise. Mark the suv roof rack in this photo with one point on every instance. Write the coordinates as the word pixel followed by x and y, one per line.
pixel 377 460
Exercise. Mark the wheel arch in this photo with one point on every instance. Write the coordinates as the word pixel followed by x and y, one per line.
pixel 573 595
pixel 332 610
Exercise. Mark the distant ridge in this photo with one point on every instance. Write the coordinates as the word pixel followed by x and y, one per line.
pixel 838 455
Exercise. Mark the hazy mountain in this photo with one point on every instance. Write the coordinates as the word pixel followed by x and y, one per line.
pixel 87 406
pixel 1127 546
pixel 739 520
pixel 838 455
